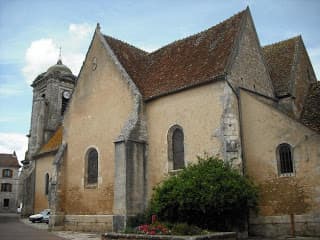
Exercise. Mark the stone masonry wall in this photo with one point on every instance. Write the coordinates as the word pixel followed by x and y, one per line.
pixel 281 196
pixel 248 69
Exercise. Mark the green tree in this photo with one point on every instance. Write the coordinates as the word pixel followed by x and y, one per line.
pixel 209 194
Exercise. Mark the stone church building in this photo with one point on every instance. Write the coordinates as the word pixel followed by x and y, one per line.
pixel 136 117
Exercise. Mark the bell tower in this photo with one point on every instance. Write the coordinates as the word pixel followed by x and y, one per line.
pixel 51 92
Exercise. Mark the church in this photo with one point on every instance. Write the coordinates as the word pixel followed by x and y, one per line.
pixel 101 141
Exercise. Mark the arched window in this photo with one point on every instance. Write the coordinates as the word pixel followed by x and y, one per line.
pixel 92 166
pixel 176 148
pixel 46 179
pixel 285 160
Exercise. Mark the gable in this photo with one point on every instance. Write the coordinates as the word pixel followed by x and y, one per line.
pixel 280 60
pixel 102 104
pixel 185 63
pixel 291 71
pixel 247 68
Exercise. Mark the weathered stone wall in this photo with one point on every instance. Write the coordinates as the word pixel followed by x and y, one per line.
pixel 27 178
pixel 43 166
pixel 248 69
pixel 88 223
pixel 100 106
pixel 199 111
pixel 56 85
pixel 46 116
pixel 264 128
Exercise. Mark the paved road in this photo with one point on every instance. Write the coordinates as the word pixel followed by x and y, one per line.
pixel 12 229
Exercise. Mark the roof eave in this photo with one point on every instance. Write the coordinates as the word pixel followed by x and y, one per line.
pixel 220 77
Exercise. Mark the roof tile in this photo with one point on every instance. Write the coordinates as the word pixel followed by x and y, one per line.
pixel 9 160
pixel 53 143
pixel 187 62
pixel 280 59
pixel 311 112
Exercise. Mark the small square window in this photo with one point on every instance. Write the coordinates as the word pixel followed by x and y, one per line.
pixel 6 187
pixel 5 202
pixel 7 173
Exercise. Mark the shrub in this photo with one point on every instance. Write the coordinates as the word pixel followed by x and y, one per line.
pixel 185 229
pixel 139 219
pixel 210 194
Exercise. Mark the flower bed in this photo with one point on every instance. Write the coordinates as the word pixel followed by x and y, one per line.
pixel 153 229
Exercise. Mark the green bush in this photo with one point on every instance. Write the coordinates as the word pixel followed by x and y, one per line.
pixel 185 229
pixel 139 219
pixel 210 194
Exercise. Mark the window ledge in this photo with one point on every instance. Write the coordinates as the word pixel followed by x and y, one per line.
pixel 91 186
pixel 174 172
pixel 287 174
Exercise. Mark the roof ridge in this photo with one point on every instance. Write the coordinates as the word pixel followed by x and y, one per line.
pixel 281 41
pixel 126 43
pixel 199 33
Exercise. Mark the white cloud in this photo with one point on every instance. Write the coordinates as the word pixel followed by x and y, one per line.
pixel 80 30
pixel 43 53
pixel 10 142
pixel 315 59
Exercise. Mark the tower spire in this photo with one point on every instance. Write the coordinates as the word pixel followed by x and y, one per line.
pixel 59 60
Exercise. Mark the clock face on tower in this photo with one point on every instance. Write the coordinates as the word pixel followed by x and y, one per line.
pixel 66 94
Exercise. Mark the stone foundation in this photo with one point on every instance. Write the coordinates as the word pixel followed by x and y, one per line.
pixel 89 223
pixel 225 236
pixel 274 226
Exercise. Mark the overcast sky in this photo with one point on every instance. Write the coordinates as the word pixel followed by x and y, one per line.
pixel 32 31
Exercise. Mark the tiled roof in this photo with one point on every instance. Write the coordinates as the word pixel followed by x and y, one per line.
pixel 53 143
pixel 181 64
pixel 8 160
pixel 280 59
pixel 311 112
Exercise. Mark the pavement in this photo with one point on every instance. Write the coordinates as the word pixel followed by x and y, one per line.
pixel 63 234
pixel 12 227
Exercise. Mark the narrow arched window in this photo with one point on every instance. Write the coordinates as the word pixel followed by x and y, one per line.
pixel 176 148
pixel 285 161
pixel 92 166
pixel 46 190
